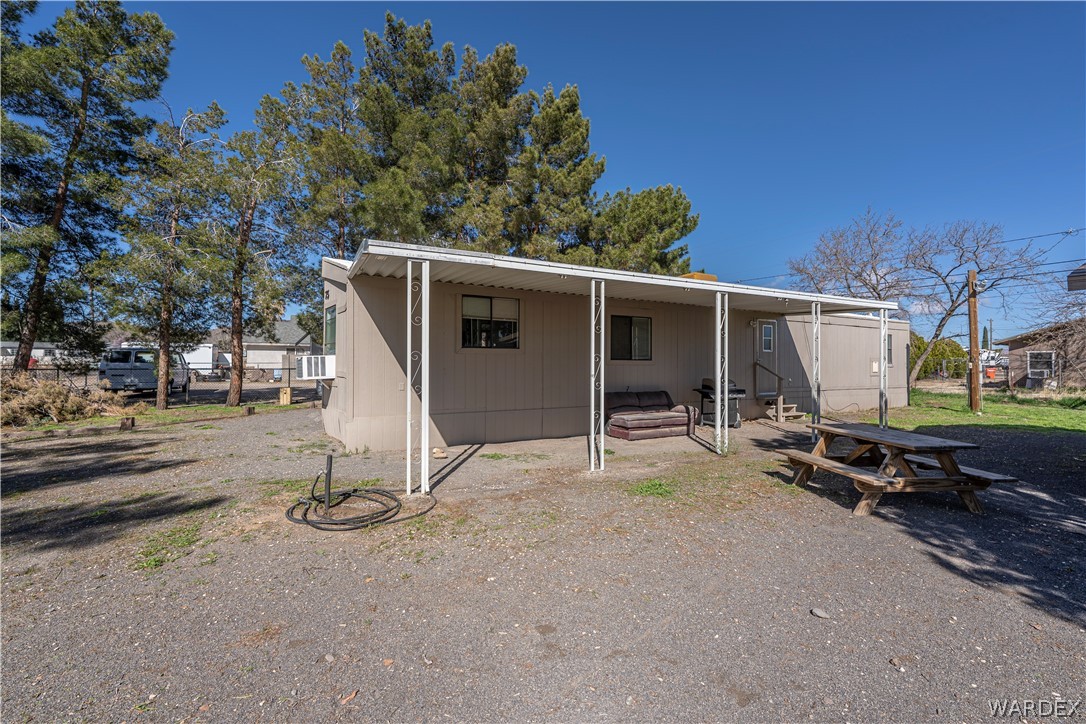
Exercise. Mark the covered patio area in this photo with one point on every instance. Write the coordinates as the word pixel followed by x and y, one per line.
pixel 704 336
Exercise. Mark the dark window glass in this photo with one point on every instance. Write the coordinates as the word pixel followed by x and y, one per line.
pixel 330 330
pixel 631 338
pixel 889 350
pixel 489 322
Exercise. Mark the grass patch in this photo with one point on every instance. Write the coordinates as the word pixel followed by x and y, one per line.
pixel 272 488
pixel 608 451
pixel 206 427
pixel 316 446
pixel 654 488
pixel 168 546
pixel 521 457
pixel 997 409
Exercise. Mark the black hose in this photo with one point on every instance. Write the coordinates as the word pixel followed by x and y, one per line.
pixel 312 511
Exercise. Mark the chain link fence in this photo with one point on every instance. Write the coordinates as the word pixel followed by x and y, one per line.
pixel 194 386
pixel 953 375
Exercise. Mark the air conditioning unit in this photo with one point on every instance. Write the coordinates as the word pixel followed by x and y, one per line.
pixel 316 367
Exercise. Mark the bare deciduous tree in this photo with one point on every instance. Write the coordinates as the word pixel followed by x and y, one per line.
pixel 923 269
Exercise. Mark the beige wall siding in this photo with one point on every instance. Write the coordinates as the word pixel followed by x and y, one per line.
pixel 542 388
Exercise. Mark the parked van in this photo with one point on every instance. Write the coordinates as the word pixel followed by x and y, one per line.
pixel 133 368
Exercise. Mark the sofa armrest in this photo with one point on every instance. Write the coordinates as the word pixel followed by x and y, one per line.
pixel 691 413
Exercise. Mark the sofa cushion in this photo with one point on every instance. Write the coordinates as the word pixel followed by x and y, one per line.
pixel 654 401
pixel 621 402
pixel 631 420
pixel 645 433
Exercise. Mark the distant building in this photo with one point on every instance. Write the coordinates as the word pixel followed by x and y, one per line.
pixel 1053 356
pixel 260 352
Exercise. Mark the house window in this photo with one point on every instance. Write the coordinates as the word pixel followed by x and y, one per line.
pixel 889 350
pixel 330 330
pixel 767 336
pixel 1040 365
pixel 631 338
pixel 492 322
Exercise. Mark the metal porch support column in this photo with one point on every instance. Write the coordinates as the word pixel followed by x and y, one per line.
pixel 720 373
pixel 597 412
pixel 417 369
pixel 816 366
pixel 409 367
pixel 883 402
pixel 424 385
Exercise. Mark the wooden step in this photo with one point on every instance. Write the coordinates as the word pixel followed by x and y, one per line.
pixel 771 413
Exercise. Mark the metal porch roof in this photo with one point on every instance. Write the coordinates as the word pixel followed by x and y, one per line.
pixel 389 259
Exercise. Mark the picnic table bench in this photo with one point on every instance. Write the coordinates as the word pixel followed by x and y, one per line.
pixel 895 454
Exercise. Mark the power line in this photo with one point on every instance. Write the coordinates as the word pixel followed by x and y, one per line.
pixel 1065 234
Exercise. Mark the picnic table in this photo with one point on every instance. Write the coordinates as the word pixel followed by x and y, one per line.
pixel 896 456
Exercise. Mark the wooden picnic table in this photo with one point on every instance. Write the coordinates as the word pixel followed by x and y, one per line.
pixel 896 456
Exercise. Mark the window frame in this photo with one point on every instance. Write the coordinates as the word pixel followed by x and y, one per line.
pixel 324 338
pixel 461 347
pixel 889 350
pixel 611 345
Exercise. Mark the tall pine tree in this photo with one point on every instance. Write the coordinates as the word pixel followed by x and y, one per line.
pixel 161 285
pixel 88 70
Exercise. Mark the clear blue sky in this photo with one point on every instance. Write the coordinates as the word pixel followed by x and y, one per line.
pixel 779 120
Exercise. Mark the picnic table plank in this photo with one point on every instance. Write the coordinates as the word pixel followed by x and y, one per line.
pixel 911 441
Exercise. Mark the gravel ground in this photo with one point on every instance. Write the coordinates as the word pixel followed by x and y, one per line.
pixel 152 575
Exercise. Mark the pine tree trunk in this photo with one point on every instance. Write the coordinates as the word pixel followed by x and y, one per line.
pixel 35 298
pixel 237 307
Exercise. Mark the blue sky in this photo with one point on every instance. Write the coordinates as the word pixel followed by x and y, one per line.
pixel 779 120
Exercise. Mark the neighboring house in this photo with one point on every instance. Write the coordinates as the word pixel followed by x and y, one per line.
pixel 260 351
pixel 513 346
pixel 1053 356
pixel 46 354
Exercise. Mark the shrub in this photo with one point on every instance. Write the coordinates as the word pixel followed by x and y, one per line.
pixel 26 401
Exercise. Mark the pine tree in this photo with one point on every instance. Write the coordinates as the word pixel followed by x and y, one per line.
pixel 984 339
pixel 86 72
pixel 553 179
pixel 162 284
pixel 252 184
pixel 638 232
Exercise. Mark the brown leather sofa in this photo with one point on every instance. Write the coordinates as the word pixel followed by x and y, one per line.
pixel 643 415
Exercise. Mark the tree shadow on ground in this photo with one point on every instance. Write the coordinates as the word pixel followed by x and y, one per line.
pixel 1028 545
pixel 35 467
pixel 78 525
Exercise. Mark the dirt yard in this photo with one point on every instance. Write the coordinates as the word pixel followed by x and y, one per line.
pixel 152 575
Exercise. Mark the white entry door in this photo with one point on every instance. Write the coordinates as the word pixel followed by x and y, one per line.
pixel 765 352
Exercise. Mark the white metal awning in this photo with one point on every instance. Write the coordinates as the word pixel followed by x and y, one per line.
pixel 389 259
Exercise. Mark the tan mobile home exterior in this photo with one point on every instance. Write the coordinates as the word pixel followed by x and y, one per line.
pixel 541 388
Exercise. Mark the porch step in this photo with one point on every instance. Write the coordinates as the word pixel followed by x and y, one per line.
pixel 788 412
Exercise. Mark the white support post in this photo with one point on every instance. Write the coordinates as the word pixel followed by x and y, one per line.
pixel 726 386
pixel 816 366
pixel 600 454
pixel 717 388
pixel 409 366
pixel 883 402
pixel 720 373
pixel 424 385
pixel 417 371
pixel 597 412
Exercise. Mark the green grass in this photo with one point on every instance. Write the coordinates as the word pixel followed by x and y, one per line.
pixel 272 488
pixel 998 409
pixel 514 456
pixel 315 446
pixel 168 546
pixel 654 488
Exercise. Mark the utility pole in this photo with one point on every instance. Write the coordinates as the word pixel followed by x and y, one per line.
pixel 974 345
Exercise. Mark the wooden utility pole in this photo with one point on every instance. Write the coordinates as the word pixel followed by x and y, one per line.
pixel 974 345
